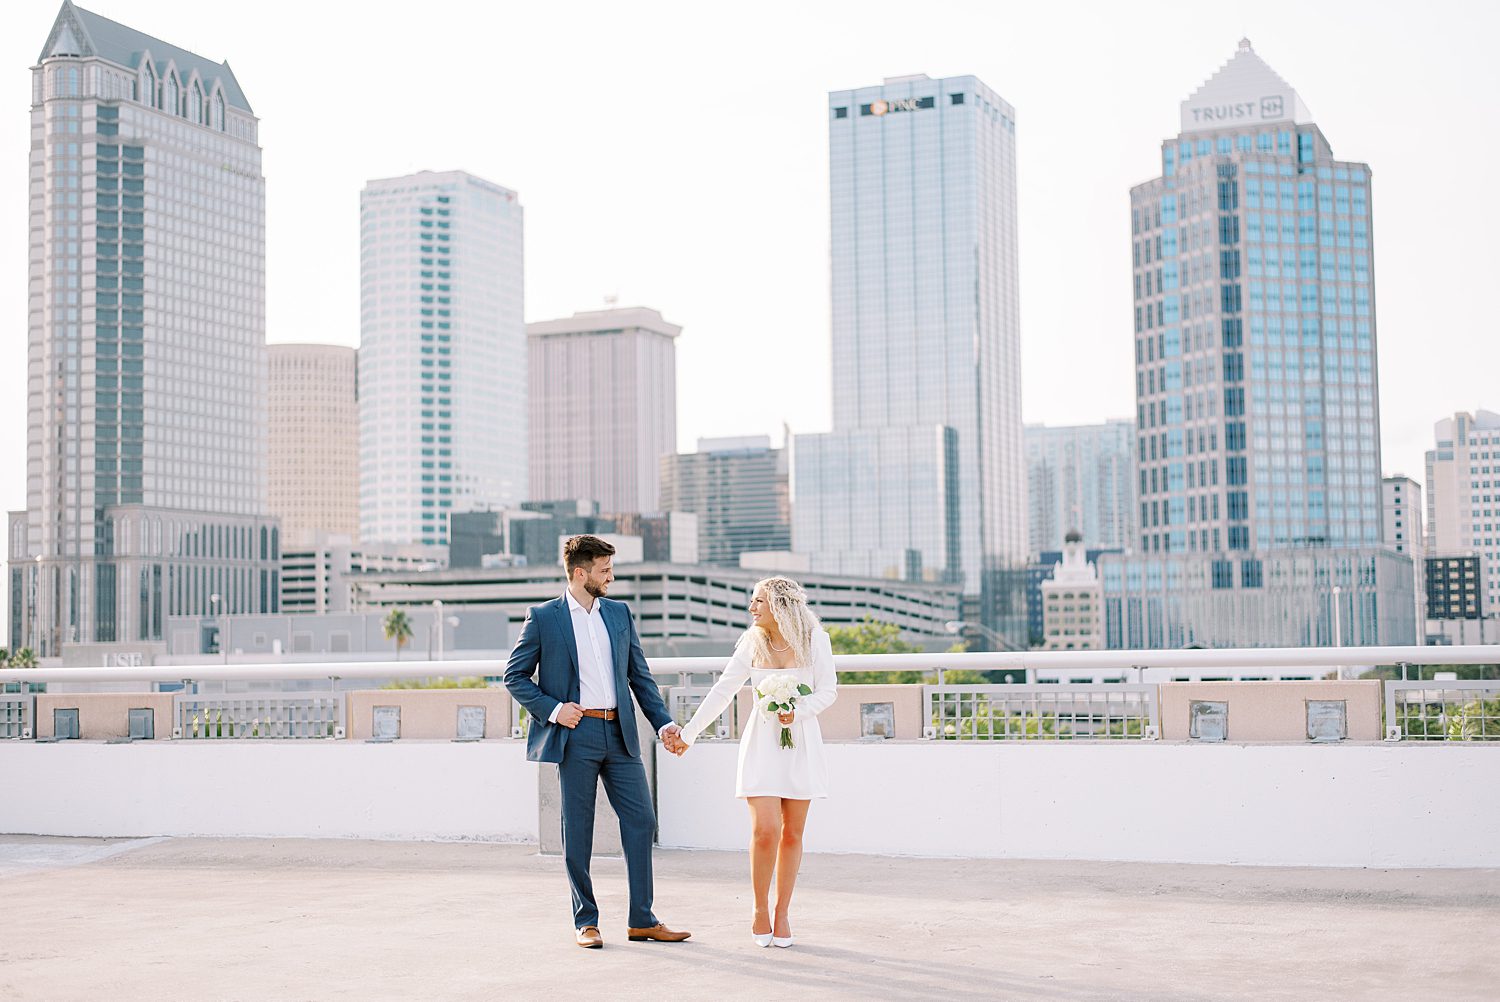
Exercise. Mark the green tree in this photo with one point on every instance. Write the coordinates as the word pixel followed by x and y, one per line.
pixel 471 682
pixel 397 627
pixel 873 637
pixel 23 658
pixel 1420 672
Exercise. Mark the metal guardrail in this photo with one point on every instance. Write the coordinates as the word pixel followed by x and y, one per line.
pixel 687 694
pixel 1447 710
pixel 261 715
pixel 1111 711
pixel 1425 710
pixel 17 715
pixel 1258 658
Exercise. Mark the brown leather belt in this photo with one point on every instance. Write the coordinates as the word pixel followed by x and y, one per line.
pixel 602 714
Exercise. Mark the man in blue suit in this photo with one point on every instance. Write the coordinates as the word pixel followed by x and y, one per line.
pixel 587 659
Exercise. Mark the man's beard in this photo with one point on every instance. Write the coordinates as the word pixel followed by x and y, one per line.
pixel 598 589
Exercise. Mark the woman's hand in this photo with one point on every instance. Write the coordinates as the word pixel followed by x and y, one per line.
pixel 787 718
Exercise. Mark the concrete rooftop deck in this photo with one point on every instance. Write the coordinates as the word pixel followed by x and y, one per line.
pixel 302 919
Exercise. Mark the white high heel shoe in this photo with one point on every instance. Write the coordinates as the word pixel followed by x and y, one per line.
pixel 783 943
pixel 762 938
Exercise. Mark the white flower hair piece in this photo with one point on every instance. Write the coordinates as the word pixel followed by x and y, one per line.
pixel 796 621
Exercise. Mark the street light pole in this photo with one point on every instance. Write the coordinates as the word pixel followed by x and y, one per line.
pixel 36 609
pixel 1338 628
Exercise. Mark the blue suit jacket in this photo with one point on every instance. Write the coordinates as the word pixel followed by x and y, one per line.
pixel 548 650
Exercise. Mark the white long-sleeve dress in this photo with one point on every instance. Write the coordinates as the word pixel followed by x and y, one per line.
pixel 765 768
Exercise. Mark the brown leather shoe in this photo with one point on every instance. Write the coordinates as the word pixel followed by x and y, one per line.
pixel 658 932
pixel 588 937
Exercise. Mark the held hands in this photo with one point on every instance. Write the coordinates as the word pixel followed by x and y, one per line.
pixel 569 714
pixel 671 739
pixel 786 718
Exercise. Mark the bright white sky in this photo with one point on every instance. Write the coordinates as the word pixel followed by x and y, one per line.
pixel 675 155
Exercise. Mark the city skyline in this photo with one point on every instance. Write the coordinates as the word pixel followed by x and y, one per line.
pixel 1028 61
pixel 762 360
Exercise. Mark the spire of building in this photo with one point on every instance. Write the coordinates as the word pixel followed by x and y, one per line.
pixel 1244 90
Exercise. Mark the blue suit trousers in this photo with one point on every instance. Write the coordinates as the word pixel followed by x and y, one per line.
pixel 596 751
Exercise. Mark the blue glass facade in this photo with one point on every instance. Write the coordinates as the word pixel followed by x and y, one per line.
pixel 1257 443
pixel 925 329
pixel 1257 407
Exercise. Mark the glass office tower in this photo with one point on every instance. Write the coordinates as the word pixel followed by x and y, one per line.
pixel 1257 404
pixel 925 338
pixel 1258 415
pixel 146 363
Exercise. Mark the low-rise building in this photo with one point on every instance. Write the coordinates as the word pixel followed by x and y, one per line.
pixel 679 609
pixel 1072 602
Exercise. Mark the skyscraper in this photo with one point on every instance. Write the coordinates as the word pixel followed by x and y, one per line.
pixel 738 489
pixel 314 442
pixel 1258 415
pixel 1079 478
pixel 1257 411
pixel 603 407
pixel 1463 494
pixel 442 356
pixel 1403 531
pixel 146 415
pixel 925 334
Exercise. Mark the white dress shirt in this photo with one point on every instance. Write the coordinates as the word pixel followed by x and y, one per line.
pixel 596 674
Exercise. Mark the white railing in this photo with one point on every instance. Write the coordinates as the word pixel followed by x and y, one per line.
pixel 1446 710
pixel 1093 712
pixel 258 715
pixel 1107 710
pixel 1121 663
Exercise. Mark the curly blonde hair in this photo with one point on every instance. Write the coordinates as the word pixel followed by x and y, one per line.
pixel 798 623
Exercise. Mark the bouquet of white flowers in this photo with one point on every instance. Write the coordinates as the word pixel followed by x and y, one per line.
pixel 778 694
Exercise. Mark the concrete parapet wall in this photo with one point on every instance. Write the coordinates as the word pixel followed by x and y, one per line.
pixel 1271 711
pixel 284 789
pixel 104 715
pixel 1377 805
pixel 428 713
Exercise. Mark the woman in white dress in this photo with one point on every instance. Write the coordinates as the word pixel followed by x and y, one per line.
pixel 778 783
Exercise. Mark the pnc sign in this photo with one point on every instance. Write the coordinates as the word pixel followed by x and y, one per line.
pixel 883 106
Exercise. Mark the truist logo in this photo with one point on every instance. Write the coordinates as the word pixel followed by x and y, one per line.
pixel 1271 107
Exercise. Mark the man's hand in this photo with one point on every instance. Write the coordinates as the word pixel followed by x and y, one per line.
pixel 569 714
pixel 671 739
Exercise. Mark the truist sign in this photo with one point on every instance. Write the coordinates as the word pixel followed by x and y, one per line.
pixel 1266 109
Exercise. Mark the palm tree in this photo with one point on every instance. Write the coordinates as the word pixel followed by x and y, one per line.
pixel 398 628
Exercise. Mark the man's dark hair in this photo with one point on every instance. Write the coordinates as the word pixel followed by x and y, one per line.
pixel 582 551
